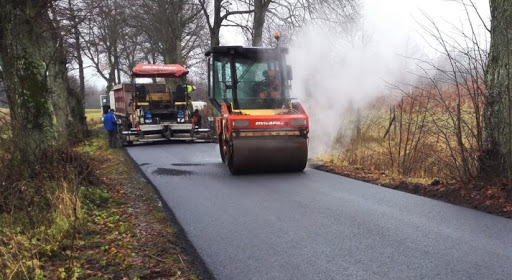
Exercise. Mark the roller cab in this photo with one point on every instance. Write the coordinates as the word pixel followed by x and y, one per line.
pixel 261 129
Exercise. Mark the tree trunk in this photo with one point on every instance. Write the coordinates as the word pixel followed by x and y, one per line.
pixel 77 110
pixel 26 50
pixel 217 23
pixel 260 11
pixel 214 37
pixel 496 158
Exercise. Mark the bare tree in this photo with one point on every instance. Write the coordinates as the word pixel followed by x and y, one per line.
pixel 68 15
pixel 496 159
pixel 453 89
pixel 291 15
pixel 34 69
pixel 173 27
pixel 102 33
pixel 436 127
pixel 219 15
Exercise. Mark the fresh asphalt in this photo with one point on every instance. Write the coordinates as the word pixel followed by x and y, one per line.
pixel 316 225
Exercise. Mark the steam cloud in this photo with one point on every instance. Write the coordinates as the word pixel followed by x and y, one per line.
pixel 338 72
pixel 334 75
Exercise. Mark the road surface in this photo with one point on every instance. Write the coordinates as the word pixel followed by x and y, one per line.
pixel 316 225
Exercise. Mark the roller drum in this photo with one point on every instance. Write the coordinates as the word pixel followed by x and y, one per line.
pixel 268 154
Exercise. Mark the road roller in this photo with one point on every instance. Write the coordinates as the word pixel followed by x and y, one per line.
pixel 260 128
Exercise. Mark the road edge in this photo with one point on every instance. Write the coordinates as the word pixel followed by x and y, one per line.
pixel 184 242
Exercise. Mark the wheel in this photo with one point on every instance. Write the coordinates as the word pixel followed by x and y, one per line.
pixel 125 143
pixel 231 162
pixel 223 149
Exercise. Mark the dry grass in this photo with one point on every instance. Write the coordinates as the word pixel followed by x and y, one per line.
pixel 40 212
pixel 150 248
pixel 96 218
pixel 93 117
pixel 413 138
pixel 4 116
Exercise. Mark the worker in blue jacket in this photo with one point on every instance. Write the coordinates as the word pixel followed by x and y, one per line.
pixel 110 123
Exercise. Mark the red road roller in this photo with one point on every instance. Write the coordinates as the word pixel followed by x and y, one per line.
pixel 261 129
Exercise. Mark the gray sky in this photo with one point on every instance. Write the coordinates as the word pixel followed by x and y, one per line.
pixel 390 22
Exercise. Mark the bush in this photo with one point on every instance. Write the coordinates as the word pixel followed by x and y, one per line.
pixel 39 206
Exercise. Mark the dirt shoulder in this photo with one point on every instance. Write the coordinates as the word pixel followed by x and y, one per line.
pixel 127 232
pixel 494 198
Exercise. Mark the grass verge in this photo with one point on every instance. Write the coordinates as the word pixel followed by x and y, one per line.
pixel 491 197
pixel 106 227
pixel 127 233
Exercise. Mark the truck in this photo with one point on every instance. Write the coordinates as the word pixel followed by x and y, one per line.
pixel 260 128
pixel 149 112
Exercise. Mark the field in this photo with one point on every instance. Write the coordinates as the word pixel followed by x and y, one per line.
pixel 93 114
pixel 93 117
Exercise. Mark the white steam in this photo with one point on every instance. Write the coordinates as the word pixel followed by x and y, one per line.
pixel 334 75
pixel 338 72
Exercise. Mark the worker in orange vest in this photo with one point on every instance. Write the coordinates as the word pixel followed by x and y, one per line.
pixel 270 85
pixel 196 119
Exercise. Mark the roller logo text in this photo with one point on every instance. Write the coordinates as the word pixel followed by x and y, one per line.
pixel 270 123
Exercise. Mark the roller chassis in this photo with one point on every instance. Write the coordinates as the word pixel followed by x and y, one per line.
pixel 253 148
pixel 261 129
pixel 162 132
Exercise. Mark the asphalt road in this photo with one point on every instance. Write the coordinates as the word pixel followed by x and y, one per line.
pixel 315 225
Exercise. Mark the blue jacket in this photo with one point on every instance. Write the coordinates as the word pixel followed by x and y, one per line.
pixel 109 121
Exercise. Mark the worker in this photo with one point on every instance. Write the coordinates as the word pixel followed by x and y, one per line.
pixel 269 87
pixel 196 119
pixel 190 88
pixel 110 123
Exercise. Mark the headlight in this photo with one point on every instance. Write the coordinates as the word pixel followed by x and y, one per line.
pixel 298 122
pixel 241 123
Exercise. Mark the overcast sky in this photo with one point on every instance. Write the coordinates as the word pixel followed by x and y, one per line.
pixel 403 17
pixel 390 21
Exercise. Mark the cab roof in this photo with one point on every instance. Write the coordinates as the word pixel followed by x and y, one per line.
pixel 158 71
pixel 244 51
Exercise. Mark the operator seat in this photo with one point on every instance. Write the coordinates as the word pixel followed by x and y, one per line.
pixel 180 95
pixel 141 92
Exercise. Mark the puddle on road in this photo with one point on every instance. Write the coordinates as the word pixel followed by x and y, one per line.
pixel 172 172
pixel 188 164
